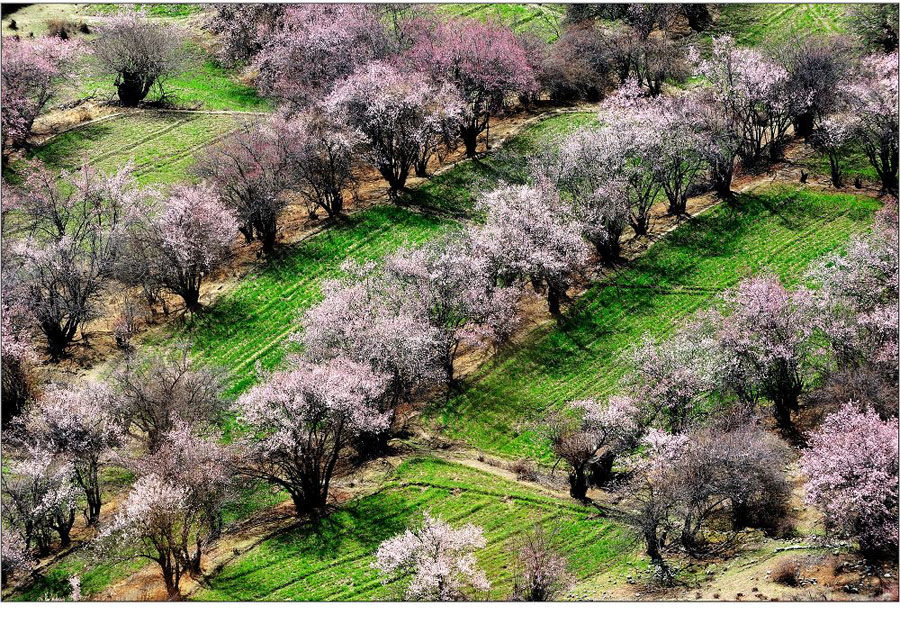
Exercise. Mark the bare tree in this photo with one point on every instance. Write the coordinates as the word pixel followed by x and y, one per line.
pixel 154 392
pixel 541 571
pixel 141 53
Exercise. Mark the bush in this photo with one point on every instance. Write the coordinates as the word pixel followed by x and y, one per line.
pixel 524 469
pixel 787 573
pixel 60 28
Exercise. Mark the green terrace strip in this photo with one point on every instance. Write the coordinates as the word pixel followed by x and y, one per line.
pixel 752 24
pixel 253 321
pixel 332 561
pixel 162 145
pixel 204 84
pixel 542 19
pixel 781 230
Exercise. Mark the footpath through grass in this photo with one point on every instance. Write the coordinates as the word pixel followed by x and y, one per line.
pixel 332 561
pixel 253 321
pixel 781 230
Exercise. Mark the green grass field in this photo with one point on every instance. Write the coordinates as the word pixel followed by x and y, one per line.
pixel 753 24
pixel 162 145
pixel 201 84
pixel 781 231
pixel 541 19
pixel 252 322
pixel 332 561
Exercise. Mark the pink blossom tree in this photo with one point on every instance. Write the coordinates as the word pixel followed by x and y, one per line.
pixel 40 499
pixel 76 425
pixel 300 421
pixel 14 556
pixel 30 72
pixel 872 97
pixel 851 471
pixel 754 92
pixel 439 559
pixel 485 63
pixel 449 285
pixel 766 341
pixel 529 234
pixel 359 320
pixel 187 240
pixel 835 136
pixel 542 573
pixel 313 46
pixel 395 112
pixel 857 312
pixel 683 147
pixel 590 437
pixel 323 160
pixel 74 227
pixel 173 511
pixel 584 170
pixel 634 153
pixel 674 377
pixel 251 172
pixel 653 493
pixel 860 292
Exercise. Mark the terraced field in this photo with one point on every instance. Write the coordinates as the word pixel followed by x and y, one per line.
pixel 541 19
pixel 332 561
pixel 162 145
pixel 752 24
pixel 781 230
pixel 253 321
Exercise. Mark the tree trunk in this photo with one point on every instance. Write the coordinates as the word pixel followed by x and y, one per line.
pixel 191 296
pixel 94 504
pixel 803 124
pixel 601 469
pixel 553 296
pixel 677 205
pixel 470 140
pixel 268 239
pixel 578 484
pixel 133 88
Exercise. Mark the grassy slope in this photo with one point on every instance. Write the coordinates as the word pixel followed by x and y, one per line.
pixel 333 561
pixel 201 84
pixel 779 230
pixel 752 24
pixel 253 321
pixel 542 19
pixel 162 145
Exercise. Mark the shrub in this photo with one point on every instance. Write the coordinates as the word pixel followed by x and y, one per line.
pixel 60 28
pixel 787 573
